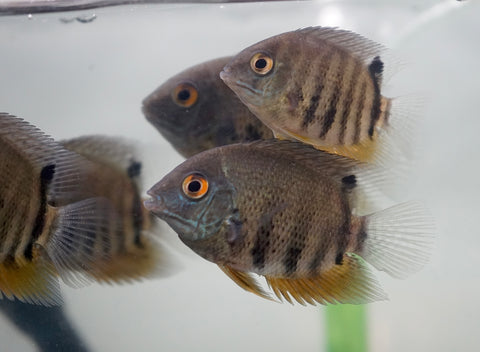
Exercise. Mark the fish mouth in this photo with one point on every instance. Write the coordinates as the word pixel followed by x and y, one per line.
pixel 247 94
pixel 157 206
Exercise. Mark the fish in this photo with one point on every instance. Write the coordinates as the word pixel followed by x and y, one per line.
pixel 321 86
pixel 283 210
pixel 195 111
pixel 133 252
pixel 44 232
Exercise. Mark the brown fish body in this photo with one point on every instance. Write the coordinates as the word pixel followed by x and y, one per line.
pixel 195 111
pixel 323 88
pixel 281 234
pixel 283 210
pixel 64 215
pixel 115 175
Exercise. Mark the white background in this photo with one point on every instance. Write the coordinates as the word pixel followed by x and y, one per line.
pixel 75 79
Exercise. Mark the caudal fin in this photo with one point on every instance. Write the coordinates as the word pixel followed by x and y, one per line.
pixel 399 239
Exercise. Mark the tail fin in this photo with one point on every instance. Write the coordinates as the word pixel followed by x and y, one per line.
pixel 396 135
pixel 399 239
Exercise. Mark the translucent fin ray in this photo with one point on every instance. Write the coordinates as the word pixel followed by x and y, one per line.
pixel 399 239
pixel 117 152
pixel 80 241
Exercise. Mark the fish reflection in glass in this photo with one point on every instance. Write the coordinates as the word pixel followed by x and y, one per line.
pixel 285 211
pixel 195 111
pixel 54 219
pixel 321 86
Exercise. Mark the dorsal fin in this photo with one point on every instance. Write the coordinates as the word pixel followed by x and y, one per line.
pixel 116 152
pixel 40 150
pixel 357 45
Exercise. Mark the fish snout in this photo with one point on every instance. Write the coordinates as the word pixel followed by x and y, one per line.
pixel 155 204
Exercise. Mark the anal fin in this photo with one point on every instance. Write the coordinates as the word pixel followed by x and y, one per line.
pixel 34 282
pixel 351 283
pixel 245 281
pixel 134 264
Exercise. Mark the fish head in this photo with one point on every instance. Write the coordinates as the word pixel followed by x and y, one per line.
pixel 258 76
pixel 195 199
pixel 193 110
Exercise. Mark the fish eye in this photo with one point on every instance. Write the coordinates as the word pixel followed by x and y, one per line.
pixel 195 186
pixel 261 63
pixel 185 95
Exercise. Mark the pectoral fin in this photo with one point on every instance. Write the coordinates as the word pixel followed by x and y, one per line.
pixel 245 281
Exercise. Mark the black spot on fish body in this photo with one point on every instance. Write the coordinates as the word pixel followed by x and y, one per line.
pixel 47 173
pixel 339 259
pixel 349 182
pixel 376 69
pixel 134 169
pixel 251 133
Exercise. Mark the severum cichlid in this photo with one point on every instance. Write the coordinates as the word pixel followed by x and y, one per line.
pixel 195 111
pixel 283 210
pixel 319 85
pixel 43 232
pixel 116 175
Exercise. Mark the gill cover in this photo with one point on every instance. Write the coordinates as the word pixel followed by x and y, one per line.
pixel 195 207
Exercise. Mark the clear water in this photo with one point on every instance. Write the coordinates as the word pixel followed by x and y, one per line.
pixel 72 79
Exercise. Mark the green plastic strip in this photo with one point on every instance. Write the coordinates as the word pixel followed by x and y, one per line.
pixel 346 328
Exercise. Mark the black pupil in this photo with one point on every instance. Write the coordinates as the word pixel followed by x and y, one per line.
pixel 184 94
pixel 194 186
pixel 261 64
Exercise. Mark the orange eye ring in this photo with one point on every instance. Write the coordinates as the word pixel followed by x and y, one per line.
pixel 261 64
pixel 195 186
pixel 185 95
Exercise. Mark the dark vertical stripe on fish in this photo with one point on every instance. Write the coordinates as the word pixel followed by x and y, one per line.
pixel 309 114
pixel 359 115
pixel 343 235
pixel 349 101
pixel 331 113
pixel 291 259
pixel 262 242
pixel 46 177
pixel 298 237
pixel 317 259
pixel 137 218
pixel 375 69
